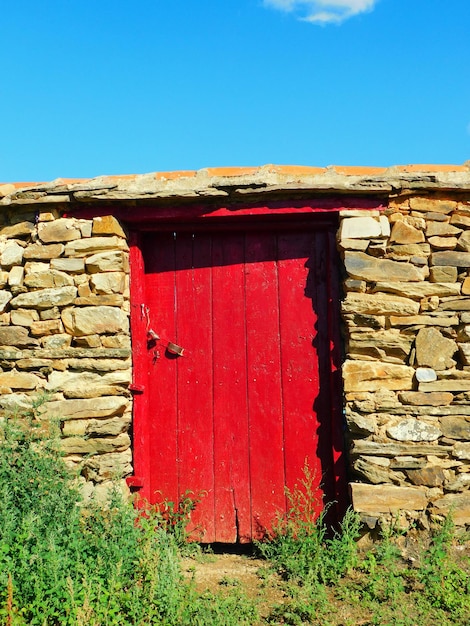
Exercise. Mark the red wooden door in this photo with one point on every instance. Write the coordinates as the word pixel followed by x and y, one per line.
pixel 237 415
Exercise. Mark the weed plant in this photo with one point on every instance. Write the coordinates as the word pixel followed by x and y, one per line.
pixel 301 545
pixel 63 564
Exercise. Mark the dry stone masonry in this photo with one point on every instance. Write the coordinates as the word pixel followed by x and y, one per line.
pixel 64 335
pixel 64 318
pixel 406 375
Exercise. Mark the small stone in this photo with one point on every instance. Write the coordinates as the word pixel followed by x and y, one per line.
pixel 417 398
pixel 404 233
pixel 433 350
pixel 443 274
pixel 441 229
pixel 445 385
pixel 12 254
pixel 56 342
pixel 109 282
pixel 458 504
pixel 38 251
pixel 460 220
pixel 99 445
pixel 21 229
pixel 428 476
pixel 466 286
pixel 462 451
pixel 47 327
pixel 72 266
pixel 443 243
pixel 5 297
pixel 107 262
pixel 455 427
pixel 24 317
pixel 16 275
pixel 107 225
pixel 89 341
pixel 361 424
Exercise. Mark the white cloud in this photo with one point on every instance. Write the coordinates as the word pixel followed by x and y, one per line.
pixel 323 11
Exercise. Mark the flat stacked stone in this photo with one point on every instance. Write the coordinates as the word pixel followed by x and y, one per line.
pixel 64 330
pixel 407 368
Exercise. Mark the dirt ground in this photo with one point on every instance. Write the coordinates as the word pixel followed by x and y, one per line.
pixel 210 572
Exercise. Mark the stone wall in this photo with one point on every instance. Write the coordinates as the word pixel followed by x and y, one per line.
pixel 406 314
pixel 64 335
pixel 64 320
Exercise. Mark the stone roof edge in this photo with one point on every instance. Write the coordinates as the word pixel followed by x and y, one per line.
pixel 241 182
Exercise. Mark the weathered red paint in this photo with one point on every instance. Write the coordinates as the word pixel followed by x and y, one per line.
pixel 257 389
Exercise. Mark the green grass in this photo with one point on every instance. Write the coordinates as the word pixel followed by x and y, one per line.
pixel 62 564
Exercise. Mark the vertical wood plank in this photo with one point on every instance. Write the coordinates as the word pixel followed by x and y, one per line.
pixel 265 409
pixel 231 451
pixel 300 376
pixel 195 400
pixel 141 435
pixel 162 379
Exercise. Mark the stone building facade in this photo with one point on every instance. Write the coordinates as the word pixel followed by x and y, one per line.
pixel 405 264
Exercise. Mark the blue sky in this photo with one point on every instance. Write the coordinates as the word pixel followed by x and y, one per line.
pixel 93 87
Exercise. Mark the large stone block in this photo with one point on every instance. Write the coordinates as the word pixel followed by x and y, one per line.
pixel 62 229
pixel 97 320
pixel 48 280
pixel 379 304
pixel 374 375
pixel 404 233
pixel 413 430
pixel 434 205
pixel 456 503
pixel 106 406
pixel 45 298
pixel 99 445
pixel 20 380
pixel 387 498
pixel 20 230
pixel 364 267
pixel 419 290
pixel 70 265
pixel 453 258
pixel 84 247
pixel 360 228
pixel 418 398
pixel 108 282
pixel 16 336
pixel 364 446
pixel 38 251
